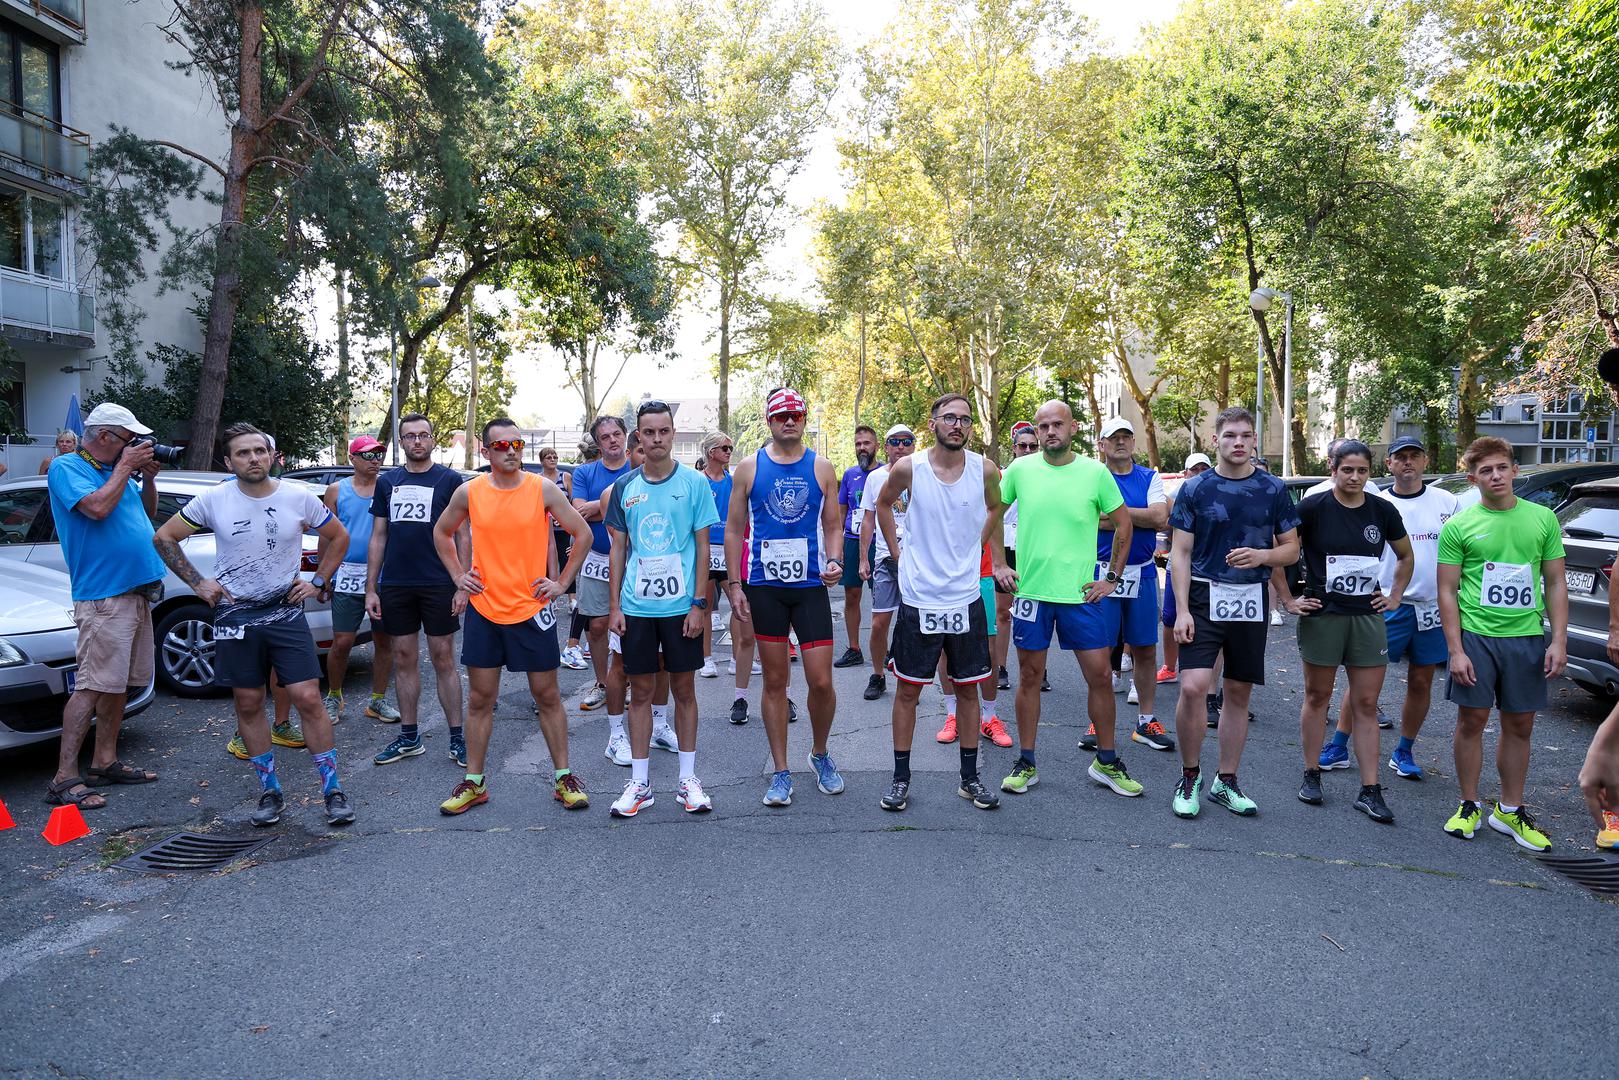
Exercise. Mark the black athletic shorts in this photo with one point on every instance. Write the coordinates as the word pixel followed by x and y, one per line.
pixel 530 645
pixel 564 540
pixel 244 655
pixel 914 655
pixel 646 640
pixel 1242 642
pixel 407 609
pixel 778 609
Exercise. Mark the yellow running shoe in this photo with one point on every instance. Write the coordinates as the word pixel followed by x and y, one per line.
pixel 465 796
pixel 1465 821
pixel 570 792
pixel 1608 835
pixel 288 734
pixel 237 748
pixel 1520 826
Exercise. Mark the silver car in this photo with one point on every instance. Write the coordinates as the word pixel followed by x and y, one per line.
pixel 37 650
pixel 182 623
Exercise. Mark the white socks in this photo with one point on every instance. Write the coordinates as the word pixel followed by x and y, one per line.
pixel 987 711
pixel 688 764
pixel 615 724
pixel 950 704
pixel 638 769
pixel 660 716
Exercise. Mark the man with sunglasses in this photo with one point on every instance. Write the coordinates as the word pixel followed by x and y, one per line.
pixel 350 499
pixel 1024 443
pixel 850 488
pixel 879 566
pixel 590 482
pixel 407 590
pixel 509 593
pixel 779 497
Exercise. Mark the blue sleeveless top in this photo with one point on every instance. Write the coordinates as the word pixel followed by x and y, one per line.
pixel 722 503
pixel 355 514
pixel 784 523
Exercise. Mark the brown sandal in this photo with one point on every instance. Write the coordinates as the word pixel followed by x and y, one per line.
pixel 61 794
pixel 117 773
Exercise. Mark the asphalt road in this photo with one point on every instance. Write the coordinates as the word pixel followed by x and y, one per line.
pixel 1072 931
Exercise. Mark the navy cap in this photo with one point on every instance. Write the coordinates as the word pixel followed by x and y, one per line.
pixel 1406 442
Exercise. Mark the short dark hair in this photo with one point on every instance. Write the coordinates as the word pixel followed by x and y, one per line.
pixel 237 430
pixel 417 418
pixel 944 399
pixel 606 418
pixel 1235 414
pixel 652 407
pixel 499 421
pixel 868 429
pixel 1608 366
pixel 632 440
pixel 1342 448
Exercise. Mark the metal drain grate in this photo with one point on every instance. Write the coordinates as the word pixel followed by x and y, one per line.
pixel 192 852
pixel 1594 872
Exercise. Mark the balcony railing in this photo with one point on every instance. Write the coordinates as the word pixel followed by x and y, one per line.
pixel 60 20
pixel 45 305
pixel 47 145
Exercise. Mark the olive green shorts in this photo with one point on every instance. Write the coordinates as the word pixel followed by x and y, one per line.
pixel 1349 640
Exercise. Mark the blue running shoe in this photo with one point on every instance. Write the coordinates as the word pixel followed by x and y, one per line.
pixel 780 792
pixel 1403 763
pixel 1334 757
pixel 400 749
pixel 458 750
pixel 826 774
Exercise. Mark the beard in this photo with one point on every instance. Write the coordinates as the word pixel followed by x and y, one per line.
pixel 865 458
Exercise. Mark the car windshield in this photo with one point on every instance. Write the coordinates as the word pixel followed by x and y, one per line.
pixel 1456 484
pixel 1591 516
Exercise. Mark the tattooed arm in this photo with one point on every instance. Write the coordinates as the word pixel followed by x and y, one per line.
pixel 167 542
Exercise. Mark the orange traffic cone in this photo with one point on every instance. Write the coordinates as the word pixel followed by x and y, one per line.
pixel 66 825
pixel 5 818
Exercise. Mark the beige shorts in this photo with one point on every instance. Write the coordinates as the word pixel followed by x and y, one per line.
pixel 115 643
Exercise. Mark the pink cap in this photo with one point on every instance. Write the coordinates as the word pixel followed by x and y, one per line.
pixel 363 443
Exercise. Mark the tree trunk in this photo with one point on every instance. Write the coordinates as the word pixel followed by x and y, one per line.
pixel 1443 456
pixel 1467 405
pixel 346 395
pixel 724 414
pixel 1339 393
pixel 1222 386
pixel 472 391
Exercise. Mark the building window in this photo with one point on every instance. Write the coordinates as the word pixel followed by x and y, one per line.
pixel 30 74
pixel 31 233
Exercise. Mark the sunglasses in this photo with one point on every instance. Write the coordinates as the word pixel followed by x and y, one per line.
pixel 653 406
pixel 500 446
pixel 371 455
pixel 721 449
pixel 901 442
pixel 789 417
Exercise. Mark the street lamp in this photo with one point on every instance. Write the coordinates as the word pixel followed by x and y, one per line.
pixel 1260 300
pixel 428 282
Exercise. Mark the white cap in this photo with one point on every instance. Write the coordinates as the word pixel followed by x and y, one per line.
pixel 1116 425
pixel 109 415
pixel 1198 459
pixel 898 429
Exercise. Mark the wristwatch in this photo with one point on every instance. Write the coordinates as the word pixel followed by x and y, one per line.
pixel 701 603
pixel 317 582
pixel 1112 576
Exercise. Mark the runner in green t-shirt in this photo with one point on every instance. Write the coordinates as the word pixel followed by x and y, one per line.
pixel 1061 497
pixel 1500 566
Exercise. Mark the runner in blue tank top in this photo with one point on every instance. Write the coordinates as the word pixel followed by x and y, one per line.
pixel 783 501
pixel 350 499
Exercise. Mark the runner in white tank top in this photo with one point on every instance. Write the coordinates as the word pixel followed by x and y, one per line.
pixel 938 564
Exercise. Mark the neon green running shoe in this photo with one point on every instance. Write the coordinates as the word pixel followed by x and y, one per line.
pixel 288 734
pixel 1113 776
pixel 1185 800
pixel 1231 797
pixel 1022 779
pixel 1465 821
pixel 1520 826
pixel 237 748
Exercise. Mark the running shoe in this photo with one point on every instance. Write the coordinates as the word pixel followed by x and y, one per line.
pixel 338 810
pixel 898 797
pixel 792 651
pixel 382 709
pixel 270 806
pixel 780 791
pixel 463 797
pixel 1230 796
pixel 708 670
pixel 1113 776
pixel 1275 620
pixel 573 659
pixel 1212 703
pixel 237 748
pixel 334 707
pixel 852 657
pixel 716 622
pixel 1133 696
pixel 1127 663
pixel 739 711
pixel 947 734
pixel 979 795
pixel 1310 790
pixel 1520 826
pixel 876 686
pixel 1465 821
pixel 1119 682
pixel 570 792
pixel 618 749
pixel 1333 757
pixel 1003 681
pixel 1087 741
pixel 996 732
pixel 1372 805
pixel 584 648
pixel 755 669
pixel 1165 675
pixel 1185 801
pixel 400 749
pixel 1023 777
pixel 1608 835
pixel 1152 733
pixel 1045 684
pixel 1403 763
pixel 664 738
pixel 637 796
pixel 693 799
pixel 1383 720
pixel 288 733
pixel 827 777
pixel 595 699
pixel 792 712
pixel 458 750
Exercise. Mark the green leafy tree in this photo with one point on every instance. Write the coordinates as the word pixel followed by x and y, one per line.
pixel 442 384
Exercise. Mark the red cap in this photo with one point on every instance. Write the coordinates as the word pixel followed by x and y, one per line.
pixel 363 443
pixel 782 401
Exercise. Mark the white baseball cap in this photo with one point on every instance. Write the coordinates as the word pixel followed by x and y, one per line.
pixel 898 429
pixel 109 415
pixel 1198 459
pixel 1116 425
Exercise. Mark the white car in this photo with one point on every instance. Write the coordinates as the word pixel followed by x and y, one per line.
pixel 37 656
pixel 182 624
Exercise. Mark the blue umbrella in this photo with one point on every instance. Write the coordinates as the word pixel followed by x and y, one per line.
pixel 75 419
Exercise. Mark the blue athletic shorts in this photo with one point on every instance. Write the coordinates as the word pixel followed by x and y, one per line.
pixel 1406 642
pixel 530 645
pixel 1138 618
pixel 1078 626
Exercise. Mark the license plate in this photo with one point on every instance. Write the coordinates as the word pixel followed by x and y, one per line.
pixel 1580 581
pixel 72 678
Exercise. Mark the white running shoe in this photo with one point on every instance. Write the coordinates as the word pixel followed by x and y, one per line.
pixel 733 666
pixel 693 799
pixel 708 670
pixel 1120 682
pixel 1128 663
pixel 716 623
pixel 757 670
pixel 1276 617
pixel 618 750
pixel 584 648
pixel 636 797
pixel 1132 698
pixel 574 659
pixel 664 738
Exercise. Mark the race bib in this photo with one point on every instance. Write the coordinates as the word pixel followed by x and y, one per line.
pixel 1352 575
pixel 1236 603
pixel 956 620
pixel 596 566
pixel 547 618
pixel 660 577
pixel 1129 585
pixel 1510 586
pixel 716 560
pixel 786 561
pixel 1024 609
pixel 1427 616
pixel 410 503
pixel 228 633
pixel 350 578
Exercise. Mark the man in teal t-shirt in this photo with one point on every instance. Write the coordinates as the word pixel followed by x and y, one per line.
pixel 1500 567
pixel 1061 497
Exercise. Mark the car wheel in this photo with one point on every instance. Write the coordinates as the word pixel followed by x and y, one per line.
pixel 184 641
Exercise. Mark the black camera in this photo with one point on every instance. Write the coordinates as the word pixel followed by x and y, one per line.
pixel 166 455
